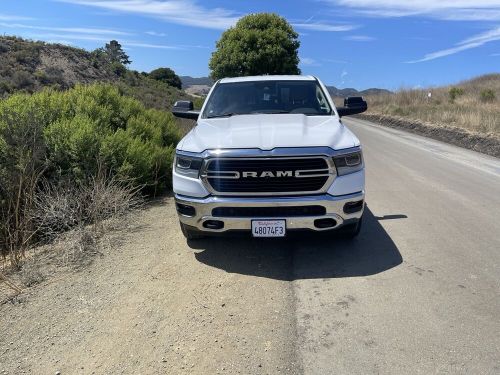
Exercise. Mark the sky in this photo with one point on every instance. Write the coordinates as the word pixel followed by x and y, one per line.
pixel 346 43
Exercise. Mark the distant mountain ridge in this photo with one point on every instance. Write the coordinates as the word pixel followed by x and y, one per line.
pixel 188 81
pixel 336 92
pixel 201 85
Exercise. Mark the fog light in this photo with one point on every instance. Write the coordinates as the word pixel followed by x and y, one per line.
pixel 324 223
pixel 185 209
pixel 352 207
pixel 213 224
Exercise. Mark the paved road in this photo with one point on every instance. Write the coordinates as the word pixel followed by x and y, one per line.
pixel 419 291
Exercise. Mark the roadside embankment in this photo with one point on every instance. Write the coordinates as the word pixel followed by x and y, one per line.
pixel 487 143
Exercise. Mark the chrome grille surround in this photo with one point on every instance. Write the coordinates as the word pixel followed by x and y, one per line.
pixel 291 154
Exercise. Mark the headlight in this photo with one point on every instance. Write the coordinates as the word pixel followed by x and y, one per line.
pixel 187 165
pixel 349 163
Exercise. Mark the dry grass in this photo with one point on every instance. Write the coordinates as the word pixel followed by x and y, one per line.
pixel 469 110
pixel 60 208
pixel 69 225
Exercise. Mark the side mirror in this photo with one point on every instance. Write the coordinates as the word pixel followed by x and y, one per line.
pixel 352 106
pixel 184 109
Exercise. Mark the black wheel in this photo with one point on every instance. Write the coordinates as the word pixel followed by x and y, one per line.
pixel 352 230
pixel 189 233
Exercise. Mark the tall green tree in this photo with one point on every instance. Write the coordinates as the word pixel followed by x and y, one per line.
pixel 115 53
pixel 262 43
pixel 166 75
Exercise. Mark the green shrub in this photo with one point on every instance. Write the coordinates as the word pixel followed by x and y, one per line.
pixel 22 80
pixel 198 102
pixel 119 69
pixel 455 92
pixel 22 162
pixel 24 56
pixel 74 144
pixel 487 95
pixel 5 87
pixel 166 75
pixel 96 126
pixel 53 75
pixel 4 47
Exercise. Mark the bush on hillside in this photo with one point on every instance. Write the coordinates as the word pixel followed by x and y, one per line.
pixel 487 95
pixel 119 69
pixel 22 162
pixel 455 92
pixel 22 80
pixel 152 93
pixel 166 75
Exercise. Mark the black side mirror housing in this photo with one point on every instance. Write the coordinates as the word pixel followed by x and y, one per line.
pixel 352 105
pixel 185 109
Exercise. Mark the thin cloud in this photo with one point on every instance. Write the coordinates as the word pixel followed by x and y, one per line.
pixel 9 17
pixel 307 61
pixel 149 45
pixel 60 41
pixel 335 61
pixel 469 43
pixel 319 26
pixel 59 38
pixel 360 38
pixel 343 76
pixel 154 33
pixel 183 12
pixel 55 36
pixel 456 10
pixel 495 54
pixel 78 30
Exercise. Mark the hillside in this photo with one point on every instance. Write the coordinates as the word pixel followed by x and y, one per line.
pixel 29 66
pixel 466 114
pixel 342 93
pixel 473 105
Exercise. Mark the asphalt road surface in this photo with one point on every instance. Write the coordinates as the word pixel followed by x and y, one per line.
pixel 418 292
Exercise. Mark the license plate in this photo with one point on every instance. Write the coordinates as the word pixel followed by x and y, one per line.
pixel 268 228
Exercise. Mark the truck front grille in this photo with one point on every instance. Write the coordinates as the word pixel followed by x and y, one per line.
pixel 243 176
pixel 285 211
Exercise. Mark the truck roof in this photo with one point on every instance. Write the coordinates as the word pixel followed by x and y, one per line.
pixel 268 78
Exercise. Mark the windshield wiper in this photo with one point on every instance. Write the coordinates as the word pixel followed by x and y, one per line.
pixel 229 114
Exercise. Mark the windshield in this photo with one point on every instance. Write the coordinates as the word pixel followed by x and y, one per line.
pixel 243 98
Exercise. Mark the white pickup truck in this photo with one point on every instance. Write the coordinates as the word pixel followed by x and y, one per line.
pixel 269 155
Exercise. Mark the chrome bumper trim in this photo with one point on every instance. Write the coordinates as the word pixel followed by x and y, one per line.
pixel 334 209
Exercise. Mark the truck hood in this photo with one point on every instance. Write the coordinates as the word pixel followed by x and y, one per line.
pixel 267 132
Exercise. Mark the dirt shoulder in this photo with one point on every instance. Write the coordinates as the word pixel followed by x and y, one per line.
pixel 154 305
pixel 485 143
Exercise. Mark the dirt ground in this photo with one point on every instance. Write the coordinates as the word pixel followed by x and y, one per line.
pixel 151 305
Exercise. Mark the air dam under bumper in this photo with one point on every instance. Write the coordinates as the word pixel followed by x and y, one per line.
pixel 334 209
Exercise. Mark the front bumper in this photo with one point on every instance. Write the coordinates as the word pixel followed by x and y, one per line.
pixel 334 207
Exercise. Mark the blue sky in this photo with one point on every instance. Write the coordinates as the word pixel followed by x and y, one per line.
pixel 347 43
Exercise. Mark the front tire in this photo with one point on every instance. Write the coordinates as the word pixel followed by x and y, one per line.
pixel 189 233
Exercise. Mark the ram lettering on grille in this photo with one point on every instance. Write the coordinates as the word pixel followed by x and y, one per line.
pixel 267 175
